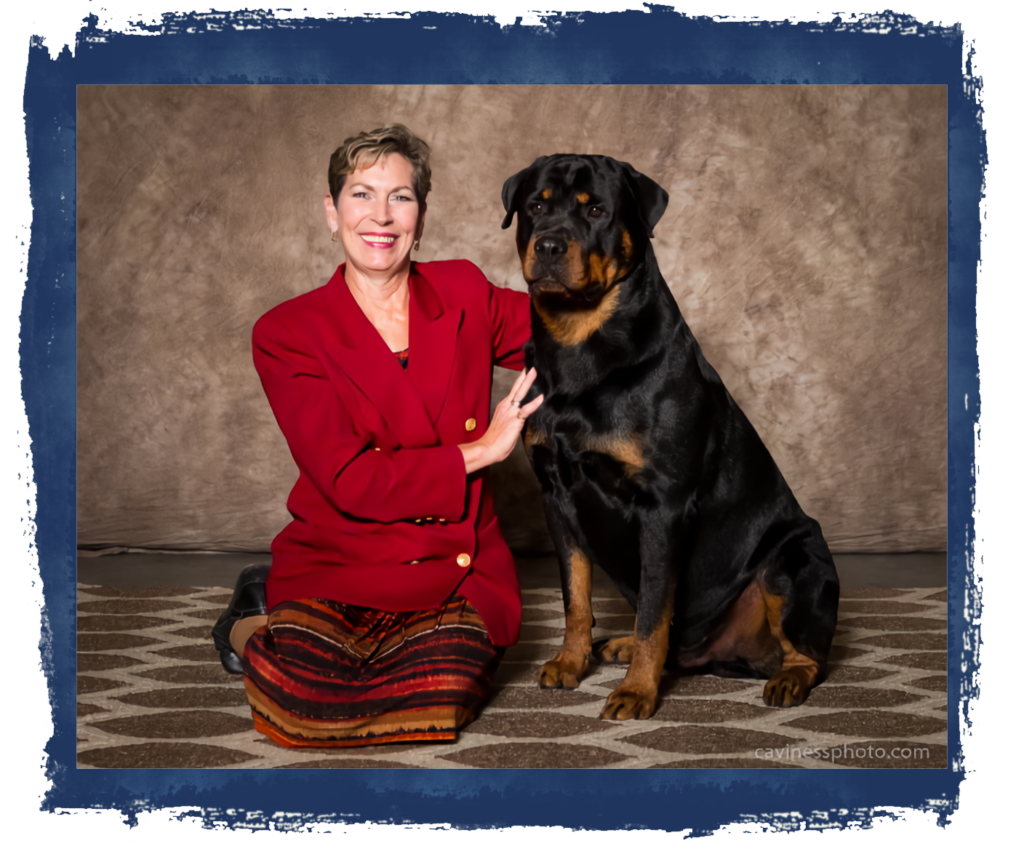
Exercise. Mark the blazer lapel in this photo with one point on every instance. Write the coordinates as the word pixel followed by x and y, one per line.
pixel 355 348
pixel 433 340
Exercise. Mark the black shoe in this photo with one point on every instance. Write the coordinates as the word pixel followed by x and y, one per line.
pixel 249 600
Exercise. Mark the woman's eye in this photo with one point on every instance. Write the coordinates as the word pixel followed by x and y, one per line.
pixel 401 198
pixel 594 212
pixel 360 195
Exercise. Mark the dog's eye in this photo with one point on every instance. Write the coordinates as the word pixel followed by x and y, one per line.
pixel 535 208
pixel 595 212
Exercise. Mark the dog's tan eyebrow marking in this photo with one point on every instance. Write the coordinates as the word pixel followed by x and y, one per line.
pixel 546 194
pixel 583 198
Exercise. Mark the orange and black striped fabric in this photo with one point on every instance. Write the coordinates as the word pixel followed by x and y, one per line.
pixel 323 674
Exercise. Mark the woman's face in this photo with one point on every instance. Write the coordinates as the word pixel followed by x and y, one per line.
pixel 377 218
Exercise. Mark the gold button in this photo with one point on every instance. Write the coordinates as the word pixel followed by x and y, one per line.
pixel 414 561
pixel 463 560
pixel 419 521
pixel 470 425
pixel 430 518
pixel 442 519
pixel 376 449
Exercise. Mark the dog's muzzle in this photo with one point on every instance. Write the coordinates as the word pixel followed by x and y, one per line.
pixel 548 268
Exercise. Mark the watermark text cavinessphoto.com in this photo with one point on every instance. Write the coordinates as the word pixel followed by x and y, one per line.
pixel 840 752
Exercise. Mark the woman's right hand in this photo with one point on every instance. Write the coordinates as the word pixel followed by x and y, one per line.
pixel 506 425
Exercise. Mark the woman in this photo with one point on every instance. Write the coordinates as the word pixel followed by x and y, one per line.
pixel 392 594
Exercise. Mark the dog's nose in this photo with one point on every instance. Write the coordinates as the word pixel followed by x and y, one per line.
pixel 549 248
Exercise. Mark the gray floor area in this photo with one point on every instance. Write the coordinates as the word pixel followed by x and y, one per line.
pixel 918 569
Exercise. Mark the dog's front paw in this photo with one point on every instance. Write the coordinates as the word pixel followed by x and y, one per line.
pixel 789 688
pixel 619 650
pixel 563 671
pixel 628 704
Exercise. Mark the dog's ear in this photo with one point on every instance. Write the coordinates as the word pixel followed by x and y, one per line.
pixel 510 191
pixel 508 195
pixel 651 198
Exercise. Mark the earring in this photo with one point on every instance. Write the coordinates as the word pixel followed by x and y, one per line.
pixel 416 246
pixel 334 237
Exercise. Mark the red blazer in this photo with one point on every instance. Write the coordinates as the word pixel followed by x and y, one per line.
pixel 384 513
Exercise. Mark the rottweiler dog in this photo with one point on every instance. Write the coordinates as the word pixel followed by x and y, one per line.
pixel 647 465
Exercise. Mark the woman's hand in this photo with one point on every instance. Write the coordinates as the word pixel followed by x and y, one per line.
pixel 506 425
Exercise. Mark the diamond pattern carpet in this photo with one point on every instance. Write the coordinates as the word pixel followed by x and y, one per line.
pixel 152 694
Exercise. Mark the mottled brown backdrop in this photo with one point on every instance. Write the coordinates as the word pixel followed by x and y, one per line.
pixel 804 240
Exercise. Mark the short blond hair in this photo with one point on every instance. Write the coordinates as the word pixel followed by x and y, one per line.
pixel 366 148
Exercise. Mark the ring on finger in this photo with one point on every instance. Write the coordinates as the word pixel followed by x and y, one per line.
pixel 517 403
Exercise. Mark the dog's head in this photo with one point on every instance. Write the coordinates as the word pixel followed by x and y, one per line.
pixel 584 224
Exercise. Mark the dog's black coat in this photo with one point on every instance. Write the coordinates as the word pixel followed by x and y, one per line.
pixel 695 510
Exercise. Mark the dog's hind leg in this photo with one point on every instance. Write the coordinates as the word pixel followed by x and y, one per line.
pixel 570 663
pixel 615 649
pixel 801 591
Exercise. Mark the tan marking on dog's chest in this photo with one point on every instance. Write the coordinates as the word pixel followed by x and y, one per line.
pixel 627 448
pixel 572 328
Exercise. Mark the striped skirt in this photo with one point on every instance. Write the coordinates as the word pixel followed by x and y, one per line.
pixel 323 674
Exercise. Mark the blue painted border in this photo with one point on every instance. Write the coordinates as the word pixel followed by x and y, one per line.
pixel 624 48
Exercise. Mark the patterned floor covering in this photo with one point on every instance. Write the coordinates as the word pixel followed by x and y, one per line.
pixel 151 694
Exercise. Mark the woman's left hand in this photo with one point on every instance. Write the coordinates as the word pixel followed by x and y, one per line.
pixel 509 416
